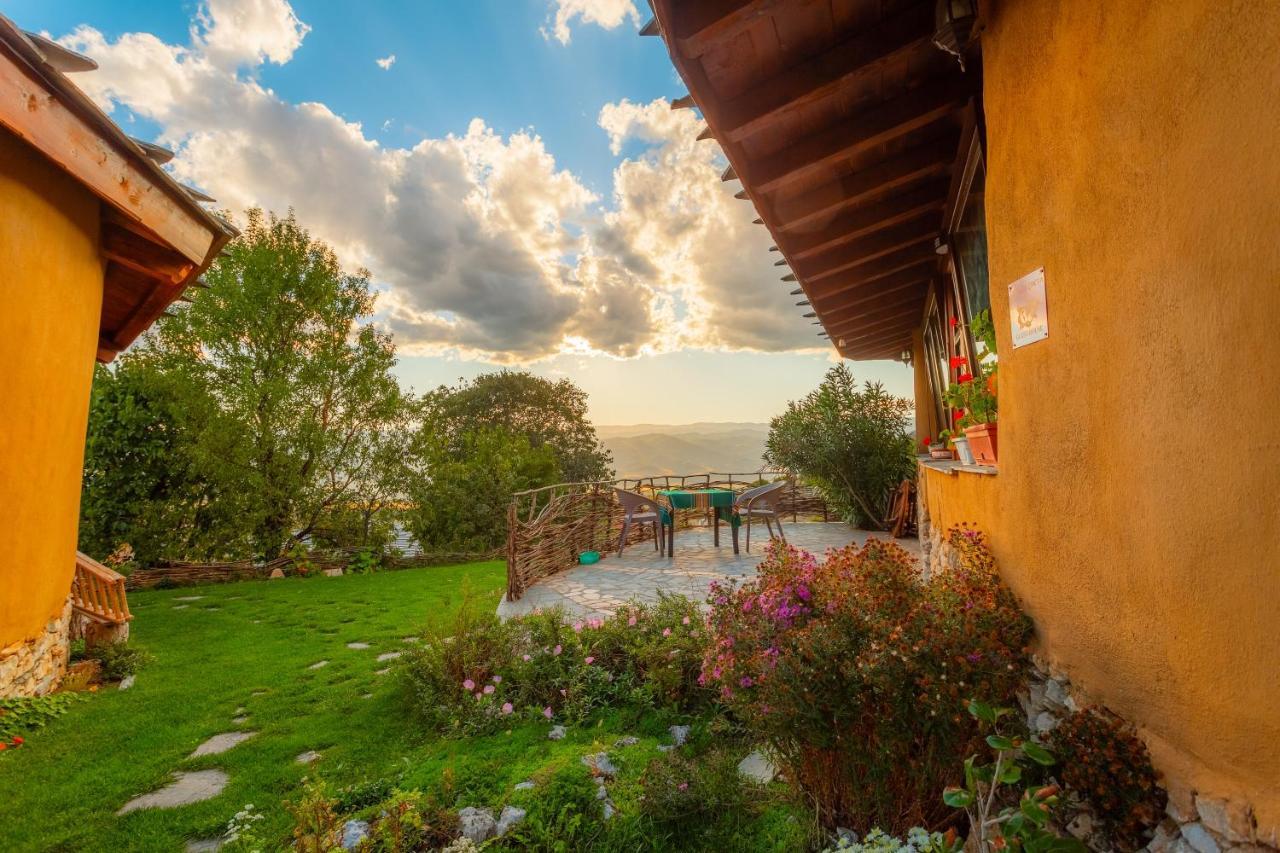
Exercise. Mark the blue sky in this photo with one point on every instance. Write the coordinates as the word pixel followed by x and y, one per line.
pixel 574 229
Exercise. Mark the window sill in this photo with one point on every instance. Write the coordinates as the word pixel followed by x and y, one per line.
pixel 952 467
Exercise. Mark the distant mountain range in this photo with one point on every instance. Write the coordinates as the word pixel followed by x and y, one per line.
pixel 643 449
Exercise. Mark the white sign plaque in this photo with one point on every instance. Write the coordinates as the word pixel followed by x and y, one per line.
pixel 1028 310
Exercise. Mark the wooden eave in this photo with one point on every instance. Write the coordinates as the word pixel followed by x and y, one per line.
pixel 156 239
pixel 842 122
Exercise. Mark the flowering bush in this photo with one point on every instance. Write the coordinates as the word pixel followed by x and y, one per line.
pixel 858 674
pixel 1106 768
pixel 478 674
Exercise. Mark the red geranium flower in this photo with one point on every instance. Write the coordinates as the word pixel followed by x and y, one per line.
pixel 957 414
pixel 965 377
pixel 927 441
pixel 954 322
pixel 958 361
pixel 17 741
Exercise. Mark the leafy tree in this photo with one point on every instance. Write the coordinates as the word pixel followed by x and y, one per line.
pixel 462 504
pixel 853 444
pixel 546 413
pixel 139 486
pixel 300 390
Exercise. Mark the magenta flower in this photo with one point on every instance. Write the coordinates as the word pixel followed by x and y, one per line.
pixel 507 708
pixel 577 627
pixel 745 681
pixel 468 685
pixel 683 786
pixel 497 679
pixel 488 689
pixel 684 621
pixel 590 660
pixel 546 712
pixel 527 658
pixel 557 650
pixel 666 632
pixel 632 621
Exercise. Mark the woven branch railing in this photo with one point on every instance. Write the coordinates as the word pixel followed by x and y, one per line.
pixel 548 528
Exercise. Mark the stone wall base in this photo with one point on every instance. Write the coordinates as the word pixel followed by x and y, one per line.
pixel 34 666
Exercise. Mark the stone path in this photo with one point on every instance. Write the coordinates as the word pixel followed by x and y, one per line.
pixel 221 743
pixel 598 590
pixel 187 787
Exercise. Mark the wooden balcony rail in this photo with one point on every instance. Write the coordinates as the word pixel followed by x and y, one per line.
pixel 98 592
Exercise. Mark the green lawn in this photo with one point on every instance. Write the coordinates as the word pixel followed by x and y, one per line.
pixel 250 645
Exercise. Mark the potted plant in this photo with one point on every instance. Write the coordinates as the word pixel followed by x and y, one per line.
pixel 973 394
pixel 960 442
pixel 939 450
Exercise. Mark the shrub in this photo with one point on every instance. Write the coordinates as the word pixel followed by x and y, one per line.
pixel 118 660
pixel 689 796
pixel 858 674
pixel 918 840
pixel 853 444
pixel 1106 768
pixel 477 674
pixel 316 826
pixel 23 714
pixel 409 821
pixel 565 815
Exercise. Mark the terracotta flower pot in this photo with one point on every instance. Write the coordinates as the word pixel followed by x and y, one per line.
pixel 982 442
pixel 940 452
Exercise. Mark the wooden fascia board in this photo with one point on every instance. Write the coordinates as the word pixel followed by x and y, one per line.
pixel 31 110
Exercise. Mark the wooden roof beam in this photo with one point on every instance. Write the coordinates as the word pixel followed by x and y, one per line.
pixel 911 256
pixel 130 249
pixel 890 352
pixel 868 219
pixel 933 100
pixel 857 252
pixel 862 318
pixel 823 75
pixel 886 330
pixel 887 347
pixel 651 28
pixel 815 207
pixel 880 289
pixel 702 25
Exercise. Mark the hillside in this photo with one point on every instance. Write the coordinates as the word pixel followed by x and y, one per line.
pixel 643 449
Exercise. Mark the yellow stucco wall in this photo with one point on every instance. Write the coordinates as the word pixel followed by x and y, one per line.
pixel 50 302
pixel 1134 153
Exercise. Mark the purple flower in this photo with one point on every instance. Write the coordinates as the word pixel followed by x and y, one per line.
pixel 488 689
pixel 497 679
pixel 546 712
pixel 973 657
pixel 507 708
pixel 745 681
pixel 468 685
pixel 557 650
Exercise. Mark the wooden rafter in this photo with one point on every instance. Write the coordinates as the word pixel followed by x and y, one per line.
pixel 868 219
pixel 929 159
pixel 709 22
pixel 880 124
pixel 914 232
pixel 819 77
pixel 915 278
pixel 910 257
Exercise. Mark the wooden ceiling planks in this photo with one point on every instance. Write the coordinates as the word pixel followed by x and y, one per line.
pixel 842 122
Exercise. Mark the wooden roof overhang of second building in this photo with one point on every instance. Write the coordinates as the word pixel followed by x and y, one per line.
pixel 843 122
pixel 155 237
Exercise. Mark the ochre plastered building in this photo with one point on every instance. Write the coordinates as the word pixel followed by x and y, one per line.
pixel 96 241
pixel 1131 150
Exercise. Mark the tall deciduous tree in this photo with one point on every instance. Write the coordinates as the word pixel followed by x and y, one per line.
pixel 546 413
pixel 301 389
pixel 853 444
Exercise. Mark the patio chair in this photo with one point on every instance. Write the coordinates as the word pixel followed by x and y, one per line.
pixel 761 502
pixel 642 510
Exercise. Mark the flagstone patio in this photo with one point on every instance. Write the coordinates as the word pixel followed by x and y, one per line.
pixel 640 573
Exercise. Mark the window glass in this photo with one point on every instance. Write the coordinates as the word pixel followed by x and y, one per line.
pixel 970 241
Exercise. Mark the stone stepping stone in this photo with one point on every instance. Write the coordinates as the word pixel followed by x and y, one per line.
pixel 181 606
pixel 240 720
pixel 221 743
pixel 258 693
pixel 186 788
pixel 126 682
pixel 189 598
pixel 367 696
pixel 526 785
pixel 382 671
pixel 386 656
pixel 240 710
pixel 320 664
pixel 204 845
pixel 511 816
pixel 308 757
pixel 556 733
pixel 758 768
pixel 357 645
pixel 410 639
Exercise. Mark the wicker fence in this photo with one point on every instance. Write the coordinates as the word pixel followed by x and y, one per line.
pixel 548 528
pixel 192 574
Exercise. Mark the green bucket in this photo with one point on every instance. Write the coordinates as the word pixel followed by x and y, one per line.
pixel 586 558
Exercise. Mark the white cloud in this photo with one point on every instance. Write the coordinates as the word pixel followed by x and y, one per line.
pixel 484 246
pixel 248 32
pixel 386 62
pixel 608 14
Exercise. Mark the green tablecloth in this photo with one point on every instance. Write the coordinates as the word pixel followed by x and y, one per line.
pixel 719 499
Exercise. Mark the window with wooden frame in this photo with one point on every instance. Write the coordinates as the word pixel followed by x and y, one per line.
pixel 936 357
pixel 966 228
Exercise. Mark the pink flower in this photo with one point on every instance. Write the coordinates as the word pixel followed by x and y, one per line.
pixel 527 658
pixel 564 692
pixel 468 685
pixel 632 621
pixel 497 679
pixel 507 708
pixel 590 660
pixel 684 621
pixel 666 632
pixel 546 712
pixel 488 688
pixel 577 627
pixel 557 650
pixel 479 695
pixel 683 786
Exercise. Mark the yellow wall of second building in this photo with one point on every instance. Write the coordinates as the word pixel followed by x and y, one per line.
pixel 50 303
pixel 1134 153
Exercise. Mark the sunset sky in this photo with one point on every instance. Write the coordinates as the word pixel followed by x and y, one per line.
pixel 509 171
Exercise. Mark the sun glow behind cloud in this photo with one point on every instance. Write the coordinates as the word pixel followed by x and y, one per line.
pixel 484 245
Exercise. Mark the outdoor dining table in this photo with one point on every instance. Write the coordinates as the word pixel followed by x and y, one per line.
pixel 720 501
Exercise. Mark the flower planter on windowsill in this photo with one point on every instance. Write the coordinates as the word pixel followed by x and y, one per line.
pixel 982 442
pixel 940 453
